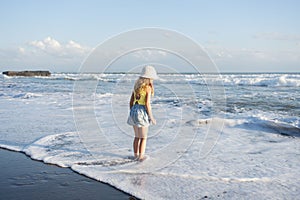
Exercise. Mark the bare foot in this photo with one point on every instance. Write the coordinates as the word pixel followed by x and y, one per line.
pixel 142 158
pixel 135 157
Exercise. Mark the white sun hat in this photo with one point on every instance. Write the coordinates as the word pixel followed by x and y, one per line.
pixel 149 72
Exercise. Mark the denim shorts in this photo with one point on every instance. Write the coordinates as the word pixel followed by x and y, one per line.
pixel 138 116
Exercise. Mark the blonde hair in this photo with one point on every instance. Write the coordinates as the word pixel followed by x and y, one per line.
pixel 141 84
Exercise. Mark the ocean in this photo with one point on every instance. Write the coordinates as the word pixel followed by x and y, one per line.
pixel 228 136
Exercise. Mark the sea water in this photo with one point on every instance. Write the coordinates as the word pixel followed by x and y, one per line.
pixel 237 139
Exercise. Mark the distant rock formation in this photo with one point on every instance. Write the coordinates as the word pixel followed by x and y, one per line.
pixel 27 73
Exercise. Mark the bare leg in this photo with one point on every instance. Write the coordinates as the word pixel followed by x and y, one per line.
pixel 143 142
pixel 136 142
pixel 135 147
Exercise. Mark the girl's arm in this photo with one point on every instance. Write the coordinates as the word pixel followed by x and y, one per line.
pixel 131 101
pixel 148 104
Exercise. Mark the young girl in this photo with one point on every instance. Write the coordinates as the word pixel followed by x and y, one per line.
pixel 140 110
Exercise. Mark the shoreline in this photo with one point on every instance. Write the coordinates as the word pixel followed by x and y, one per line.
pixel 25 178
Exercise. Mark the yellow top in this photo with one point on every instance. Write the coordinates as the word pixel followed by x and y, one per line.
pixel 140 98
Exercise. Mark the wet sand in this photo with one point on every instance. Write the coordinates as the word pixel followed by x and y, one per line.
pixel 24 178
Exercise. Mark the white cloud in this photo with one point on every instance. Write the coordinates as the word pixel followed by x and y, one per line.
pixel 72 44
pixel 48 53
pixel 247 59
pixel 48 44
pixel 219 52
pixel 149 54
pixel 21 50
pixel 55 48
pixel 55 55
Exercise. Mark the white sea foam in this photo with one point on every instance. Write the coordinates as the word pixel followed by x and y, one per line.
pixel 277 80
pixel 234 163
pixel 27 95
pixel 254 157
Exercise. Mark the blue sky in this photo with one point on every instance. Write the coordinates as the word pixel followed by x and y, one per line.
pixel 240 36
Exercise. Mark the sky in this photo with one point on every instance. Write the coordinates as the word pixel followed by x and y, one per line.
pixel 238 35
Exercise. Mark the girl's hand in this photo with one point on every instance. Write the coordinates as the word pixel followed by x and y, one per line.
pixel 153 121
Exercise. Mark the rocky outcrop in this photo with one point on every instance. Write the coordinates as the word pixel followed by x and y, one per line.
pixel 27 73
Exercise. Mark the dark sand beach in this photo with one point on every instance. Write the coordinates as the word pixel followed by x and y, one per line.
pixel 24 178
